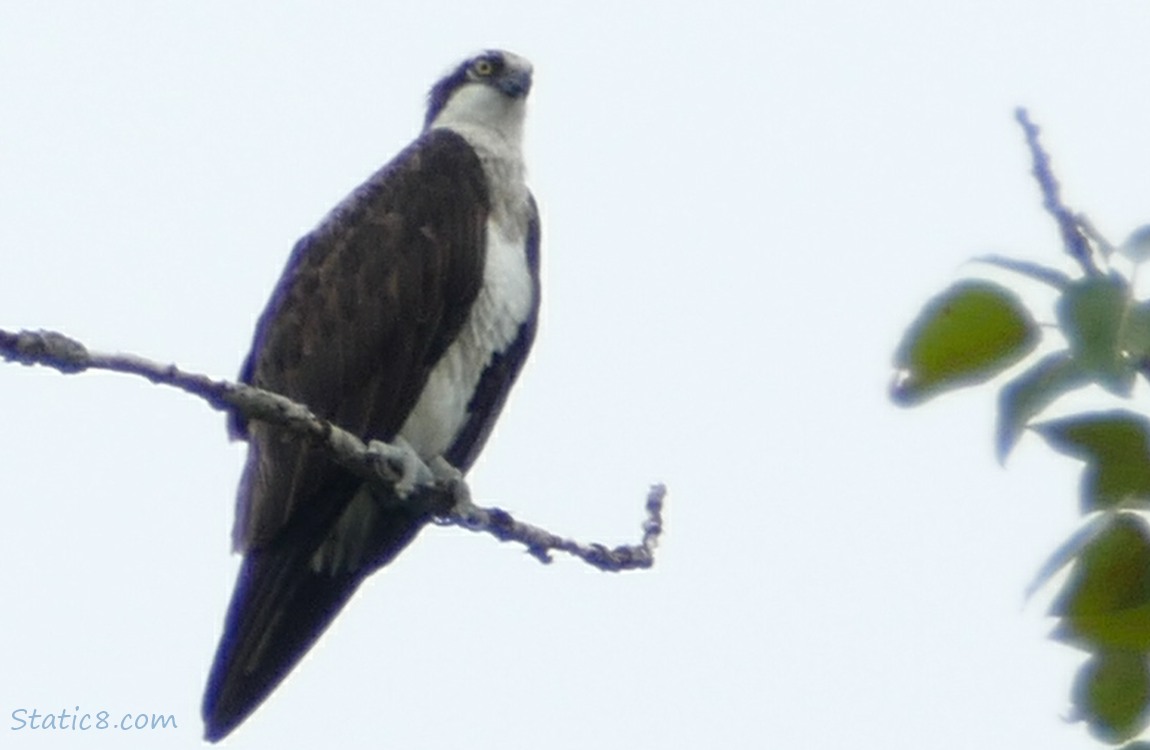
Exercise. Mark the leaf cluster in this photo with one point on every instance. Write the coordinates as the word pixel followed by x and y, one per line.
pixel 978 330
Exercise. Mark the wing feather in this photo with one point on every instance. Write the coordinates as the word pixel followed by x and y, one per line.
pixel 368 303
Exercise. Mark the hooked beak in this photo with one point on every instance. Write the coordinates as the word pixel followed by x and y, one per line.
pixel 515 83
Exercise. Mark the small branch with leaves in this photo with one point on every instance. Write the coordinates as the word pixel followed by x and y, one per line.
pixel 979 330
pixel 445 499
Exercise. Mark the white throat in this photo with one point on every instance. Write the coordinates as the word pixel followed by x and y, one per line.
pixel 478 107
pixel 492 124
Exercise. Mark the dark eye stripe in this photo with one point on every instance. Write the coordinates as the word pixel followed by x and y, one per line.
pixel 467 70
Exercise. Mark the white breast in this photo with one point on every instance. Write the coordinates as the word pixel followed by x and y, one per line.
pixel 503 303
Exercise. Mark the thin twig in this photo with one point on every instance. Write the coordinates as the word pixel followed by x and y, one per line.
pixel 540 542
pixel 1072 235
pixel 441 498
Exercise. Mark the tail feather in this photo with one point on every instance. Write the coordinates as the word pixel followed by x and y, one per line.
pixel 279 609
pixel 281 605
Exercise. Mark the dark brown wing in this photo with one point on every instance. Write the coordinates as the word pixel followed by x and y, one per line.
pixel 366 306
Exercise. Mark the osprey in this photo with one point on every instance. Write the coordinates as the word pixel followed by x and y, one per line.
pixel 405 316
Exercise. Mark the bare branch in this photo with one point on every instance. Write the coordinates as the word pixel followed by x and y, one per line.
pixel 540 542
pixel 1073 236
pixel 441 498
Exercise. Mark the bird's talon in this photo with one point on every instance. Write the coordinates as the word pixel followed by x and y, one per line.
pixel 400 459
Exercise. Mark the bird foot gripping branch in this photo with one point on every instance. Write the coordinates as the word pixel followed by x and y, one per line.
pixel 400 463
pixel 434 486
pixel 451 479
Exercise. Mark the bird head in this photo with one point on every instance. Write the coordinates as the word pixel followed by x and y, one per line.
pixel 488 90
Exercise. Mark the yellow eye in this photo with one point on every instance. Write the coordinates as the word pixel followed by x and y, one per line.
pixel 483 67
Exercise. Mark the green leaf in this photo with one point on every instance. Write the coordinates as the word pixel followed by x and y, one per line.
pixel 1069 550
pixel 1137 245
pixel 1111 692
pixel 1092 313
pixel 1030 393
pixel 1127 629
pixel 1036 271
pixel 1136 333
pixel 968 334
pixel 1112 572
pixel 1116 448
pixel 1106 600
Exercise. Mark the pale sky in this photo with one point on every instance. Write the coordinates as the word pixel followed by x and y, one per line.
pixel 743 205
